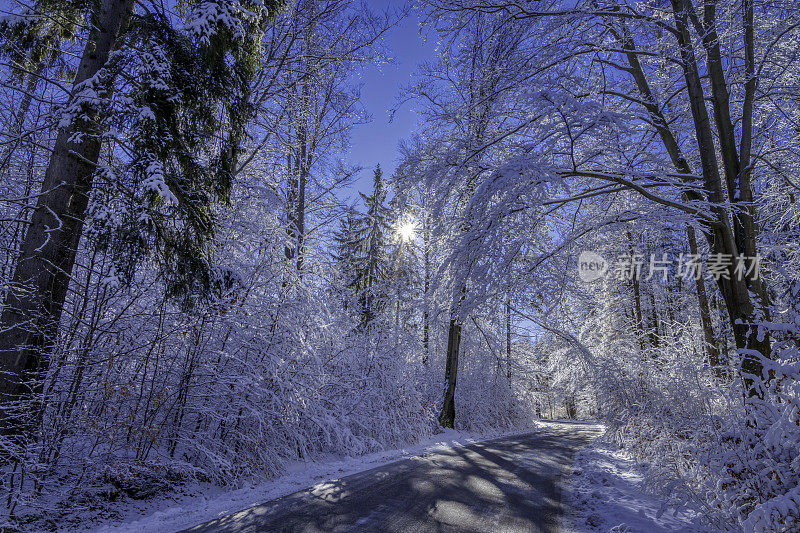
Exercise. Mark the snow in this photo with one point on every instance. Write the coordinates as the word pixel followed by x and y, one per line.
pixel 201 502
pixel 156 182
pixel 606 493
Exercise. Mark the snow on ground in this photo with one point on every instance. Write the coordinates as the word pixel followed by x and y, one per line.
pixel 606 494
pixel 200 502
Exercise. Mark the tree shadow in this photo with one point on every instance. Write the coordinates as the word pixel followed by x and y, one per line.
pixel 507 484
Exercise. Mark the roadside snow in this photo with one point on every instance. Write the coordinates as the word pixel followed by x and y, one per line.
pixel 606 494
pixel 200 502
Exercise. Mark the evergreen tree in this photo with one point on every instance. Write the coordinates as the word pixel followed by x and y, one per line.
pixel 371 269
pixel 345 254
pixel 151 94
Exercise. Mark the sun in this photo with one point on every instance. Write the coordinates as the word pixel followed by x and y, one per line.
pixel 406 230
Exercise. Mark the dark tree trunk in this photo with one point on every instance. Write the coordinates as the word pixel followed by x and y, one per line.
pixel 508 336
pixel 298 180
pixel 39 286
pixel 637 297
pixel 711 346
pixel 447 417
pixel 653 329
pixel 722 237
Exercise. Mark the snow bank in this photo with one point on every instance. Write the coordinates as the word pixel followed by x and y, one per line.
pixel 606 493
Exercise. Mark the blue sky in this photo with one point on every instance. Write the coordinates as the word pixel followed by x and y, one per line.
pixel 376 142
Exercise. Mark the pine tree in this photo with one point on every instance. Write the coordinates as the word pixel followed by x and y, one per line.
pixel 371 238
pixel 345 254
pixel 157 199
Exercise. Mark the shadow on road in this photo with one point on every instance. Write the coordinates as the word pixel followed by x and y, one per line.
pixel 507 484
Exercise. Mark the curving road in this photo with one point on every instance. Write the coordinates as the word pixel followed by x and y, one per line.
pixel 508 484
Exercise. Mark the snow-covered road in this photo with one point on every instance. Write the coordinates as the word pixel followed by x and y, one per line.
pixel 505 484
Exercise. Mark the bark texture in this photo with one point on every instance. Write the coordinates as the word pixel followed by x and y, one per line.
pixel 43 270
pixel 447 417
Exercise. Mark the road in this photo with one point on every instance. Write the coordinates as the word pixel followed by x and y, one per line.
pixel 508 484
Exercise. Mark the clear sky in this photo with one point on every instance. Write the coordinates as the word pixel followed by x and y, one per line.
pixel 376 142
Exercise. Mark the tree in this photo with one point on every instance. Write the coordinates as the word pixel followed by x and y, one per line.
pixel 319 106
pixel 468 90
pixel 346 254
pixel 371 268
pixel 33 306
pixel 707 162
pixel 169 102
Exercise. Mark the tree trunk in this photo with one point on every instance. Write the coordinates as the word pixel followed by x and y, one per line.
pixel 39 286
pixel 448 415
pixel 722 239
pixel 508 337
pixel 426 295
pixel 653 329
pixel 298 180
pixel 710 341
pixel 721 236
pixel 637 297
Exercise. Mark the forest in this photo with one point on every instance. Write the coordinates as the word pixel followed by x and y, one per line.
pixel 595 217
